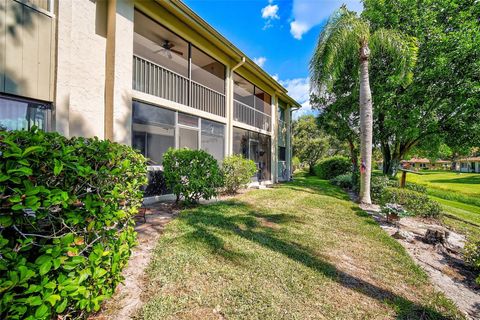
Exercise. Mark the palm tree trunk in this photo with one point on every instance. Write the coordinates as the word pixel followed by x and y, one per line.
pixel 366 126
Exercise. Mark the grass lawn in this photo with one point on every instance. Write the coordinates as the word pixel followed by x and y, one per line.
pixel 459 194
pixel 299 251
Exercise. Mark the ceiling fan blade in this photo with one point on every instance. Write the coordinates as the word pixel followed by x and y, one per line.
pixel 177 52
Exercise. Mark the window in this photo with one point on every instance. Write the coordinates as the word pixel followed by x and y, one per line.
pixel 153 130
pixel 188 138
pixel 207 71
pixel 20 114
pixel 213 138
pixel 282 154
pixel 254 146
pixel 156 43
pixel 187 120
pixel 243 90
pixel 240 142
pixel 263 101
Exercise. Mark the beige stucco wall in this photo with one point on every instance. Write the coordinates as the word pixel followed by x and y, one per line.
pixel 121 92
pixel 94 69
pixel 80 95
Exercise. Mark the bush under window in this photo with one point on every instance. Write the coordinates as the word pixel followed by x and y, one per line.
pixel 329 168
pixel 192 174
pixel 66 228
pixel 237 172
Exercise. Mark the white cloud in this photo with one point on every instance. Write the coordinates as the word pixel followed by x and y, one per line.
pixel 260 61
pixel 308 13
pixel 275 76
pixel 270 13
pixel 299 90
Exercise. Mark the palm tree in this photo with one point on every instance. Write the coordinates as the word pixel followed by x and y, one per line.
pixel 345 38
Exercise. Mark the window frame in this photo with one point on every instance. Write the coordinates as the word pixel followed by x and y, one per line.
pixel 47 106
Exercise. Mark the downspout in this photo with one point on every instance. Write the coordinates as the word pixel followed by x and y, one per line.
pixel 230 106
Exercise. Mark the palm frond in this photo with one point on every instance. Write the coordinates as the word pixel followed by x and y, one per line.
pixel 339 43
pixel 401 51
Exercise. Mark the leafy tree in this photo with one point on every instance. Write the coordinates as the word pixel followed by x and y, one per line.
pixel 346 40
pixel 310 143
pixel 442 106
pixel 339 113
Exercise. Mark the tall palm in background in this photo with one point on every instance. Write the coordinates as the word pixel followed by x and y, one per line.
pixel 345 36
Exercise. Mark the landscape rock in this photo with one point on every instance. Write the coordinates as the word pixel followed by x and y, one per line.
pixel 404 235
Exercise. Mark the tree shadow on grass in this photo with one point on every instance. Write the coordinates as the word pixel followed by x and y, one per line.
pixel 316 186
pixel 241 219
pixel 462 180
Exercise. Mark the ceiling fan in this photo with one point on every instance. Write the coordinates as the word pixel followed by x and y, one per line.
pixel 166 48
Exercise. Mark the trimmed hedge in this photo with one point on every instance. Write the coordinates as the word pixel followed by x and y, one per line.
pixel 417 203
pixel 237 172
pixel 343 181
pixel 379 183
pixel 192 174
pixel 66 227
pixel 329 168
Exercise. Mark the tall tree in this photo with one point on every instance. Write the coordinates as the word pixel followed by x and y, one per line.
pixel 443 101
pixel 347 38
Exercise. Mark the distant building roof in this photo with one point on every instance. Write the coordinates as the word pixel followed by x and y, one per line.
pixel 471 159
pixel 417 160
pixel 443 161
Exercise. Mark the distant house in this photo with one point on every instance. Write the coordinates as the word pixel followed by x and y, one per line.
pixel 426 164
pixel 471 164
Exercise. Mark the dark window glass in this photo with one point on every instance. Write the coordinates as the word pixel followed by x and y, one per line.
pixel 188 138
pixel 213 139
pixel 213 128
pixel 207 71
pixel 240 142
pixel 263 101
pixel 243 90
pixel 19 114
pixel 149 114
pixel 281 112
pixel 282 154
pixel 264 156
pixel 153 130
pixel 154 42
pixel 187 120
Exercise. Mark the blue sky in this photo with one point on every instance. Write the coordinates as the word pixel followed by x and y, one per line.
pixel 279 35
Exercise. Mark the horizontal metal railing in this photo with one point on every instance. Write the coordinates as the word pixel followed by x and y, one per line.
pixel 151 78
pixel 248 115
pixel 208 100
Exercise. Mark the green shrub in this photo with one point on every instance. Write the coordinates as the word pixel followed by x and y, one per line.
pixel 343 181
pixel 237 172
pixel 329 168
pixel 66 208
pixel 416 203
pixel 416 187
pixel 471 255
pixel 377 187
pixel 192 174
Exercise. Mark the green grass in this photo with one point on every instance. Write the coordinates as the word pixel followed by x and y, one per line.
pixel 459 194
pixel 302 250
